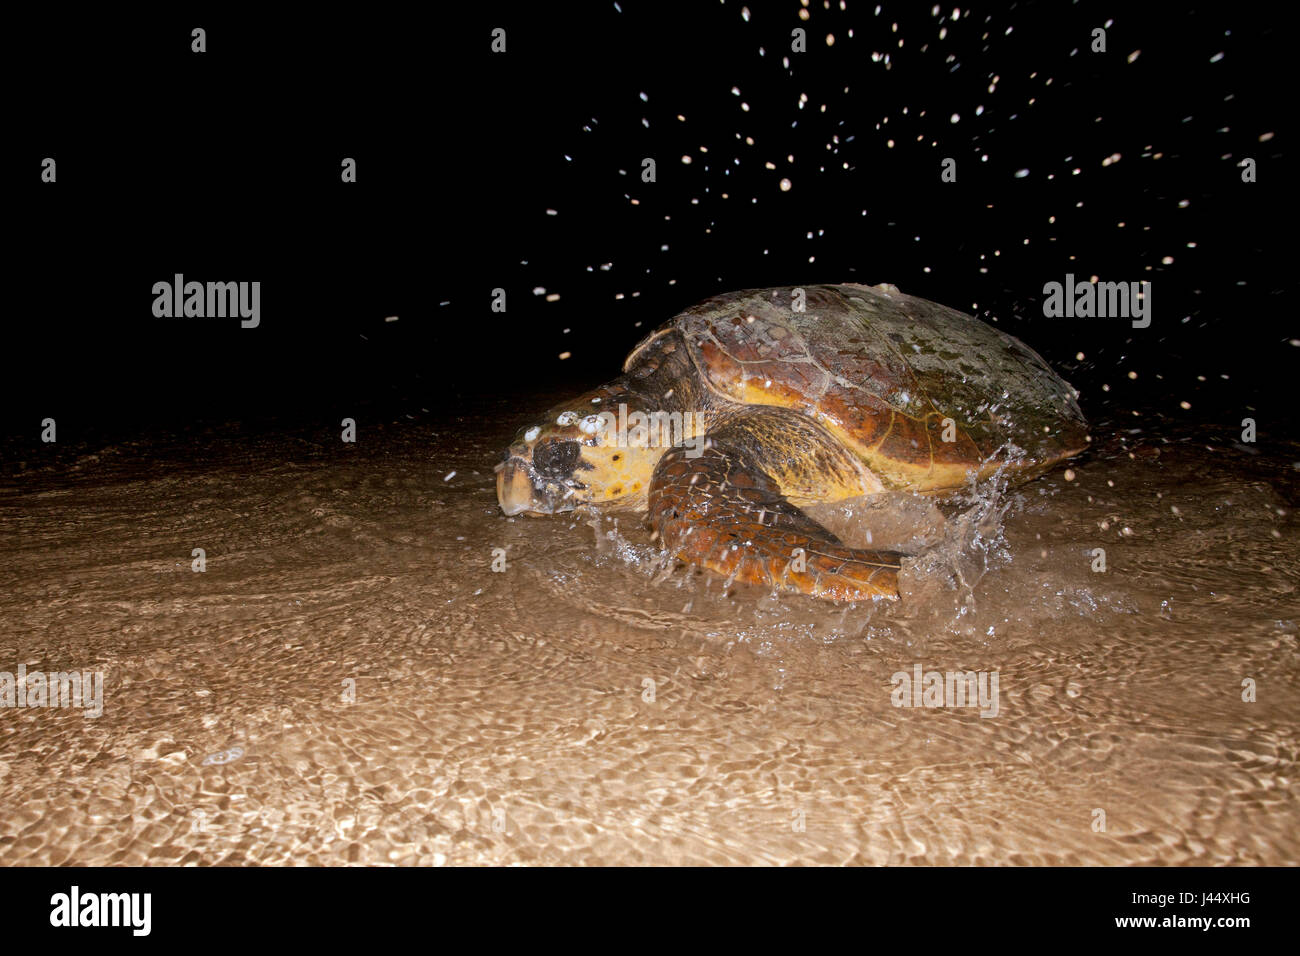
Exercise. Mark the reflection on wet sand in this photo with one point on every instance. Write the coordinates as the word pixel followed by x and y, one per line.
pixel 350 680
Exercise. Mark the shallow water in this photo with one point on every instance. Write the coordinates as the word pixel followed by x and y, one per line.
pixel 587 705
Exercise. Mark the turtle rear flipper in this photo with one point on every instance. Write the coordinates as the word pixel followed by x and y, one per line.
pixel 723 510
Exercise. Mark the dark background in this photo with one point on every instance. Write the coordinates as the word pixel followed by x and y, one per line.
pixel 224 166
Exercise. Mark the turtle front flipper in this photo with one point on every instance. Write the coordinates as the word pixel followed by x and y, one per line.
pixel 723 509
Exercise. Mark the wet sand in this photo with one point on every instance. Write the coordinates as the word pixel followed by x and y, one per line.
pixel 350 680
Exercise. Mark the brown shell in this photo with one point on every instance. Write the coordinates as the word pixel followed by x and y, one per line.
pixel 882 371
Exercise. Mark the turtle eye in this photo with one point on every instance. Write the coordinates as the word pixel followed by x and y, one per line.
pixel 556 459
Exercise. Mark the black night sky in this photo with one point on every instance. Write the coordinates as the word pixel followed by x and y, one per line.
pixel 522 171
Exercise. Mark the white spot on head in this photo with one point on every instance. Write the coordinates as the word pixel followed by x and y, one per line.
pixel 566 418
pixel 530 436
pixel 590 425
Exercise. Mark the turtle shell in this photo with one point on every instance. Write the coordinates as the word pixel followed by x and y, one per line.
pixel 925 394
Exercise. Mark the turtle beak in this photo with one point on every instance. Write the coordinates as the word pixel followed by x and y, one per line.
pixel 520 490
pixel 514 486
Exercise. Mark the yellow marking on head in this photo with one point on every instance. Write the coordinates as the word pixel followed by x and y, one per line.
pixel 617 475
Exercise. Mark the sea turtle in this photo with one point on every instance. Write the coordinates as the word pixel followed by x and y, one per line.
pixel 744 409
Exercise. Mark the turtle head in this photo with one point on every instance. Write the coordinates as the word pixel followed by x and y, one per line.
pixel 575 455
